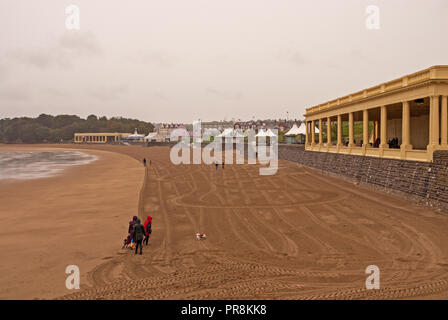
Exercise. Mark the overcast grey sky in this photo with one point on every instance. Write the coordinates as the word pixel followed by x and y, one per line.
pixel 180 60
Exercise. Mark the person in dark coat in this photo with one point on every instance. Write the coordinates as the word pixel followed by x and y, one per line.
pixel 139 235
pixel 144 162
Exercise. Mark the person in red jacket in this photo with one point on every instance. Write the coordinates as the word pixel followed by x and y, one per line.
pixel 148 229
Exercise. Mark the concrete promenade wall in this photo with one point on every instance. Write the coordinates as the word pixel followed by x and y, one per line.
pixel 428 180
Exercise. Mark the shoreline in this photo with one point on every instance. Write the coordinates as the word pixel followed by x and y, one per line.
pixel 47 168
pixel 77 216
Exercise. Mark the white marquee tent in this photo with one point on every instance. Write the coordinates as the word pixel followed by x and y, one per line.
pixel 228 132
pixel 231 133
pixel 238 133
pixel 153 136
pixel 294 131
pixel 269 133
pixel 261 133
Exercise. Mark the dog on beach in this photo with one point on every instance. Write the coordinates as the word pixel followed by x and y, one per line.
pixel 127 243
pixel 201 236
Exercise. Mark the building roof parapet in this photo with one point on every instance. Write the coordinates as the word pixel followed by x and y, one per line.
pixel 439 72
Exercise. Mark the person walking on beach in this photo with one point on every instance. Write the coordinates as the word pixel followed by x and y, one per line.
pixel 144 162
pixel 222 165
pixel 139 234
pixel 148 229
pixel 131 229
pixel 216 164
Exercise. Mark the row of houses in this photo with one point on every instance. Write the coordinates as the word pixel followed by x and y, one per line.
pixel 168 132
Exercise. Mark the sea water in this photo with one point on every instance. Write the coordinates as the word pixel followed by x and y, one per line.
pixel 39 164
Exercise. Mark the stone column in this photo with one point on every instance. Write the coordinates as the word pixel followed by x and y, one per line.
pixel 329 131
pixel 383 129
pixel 307 128
pixel 433 127
pixel 320 133
pixel 339 142
pixel 406 127
pixel 405 130
pixel 434 121
pixel 444 122
pixel 365 128
pixel 313 131
pixel 350 130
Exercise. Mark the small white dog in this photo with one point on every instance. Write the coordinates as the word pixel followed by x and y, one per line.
pixel 201 236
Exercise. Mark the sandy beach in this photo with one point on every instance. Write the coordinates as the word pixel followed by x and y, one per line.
pixel 298 234
pixel 77 217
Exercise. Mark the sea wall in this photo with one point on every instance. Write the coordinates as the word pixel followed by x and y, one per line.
pixel 428 180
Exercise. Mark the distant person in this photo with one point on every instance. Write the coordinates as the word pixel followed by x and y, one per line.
pixel 216 165
pixel 132 228
pixel 139 232
pixel 393 144
pixel 377 143
pixel 144 162
pixel 222 164
pixel 148 229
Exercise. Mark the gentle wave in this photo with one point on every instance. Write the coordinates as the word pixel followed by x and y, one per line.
pixel 39 164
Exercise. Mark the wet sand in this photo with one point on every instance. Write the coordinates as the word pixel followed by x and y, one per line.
pixel 295 235
pixel 78 217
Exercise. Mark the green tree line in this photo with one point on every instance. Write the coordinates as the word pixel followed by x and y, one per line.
pixel 48 128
